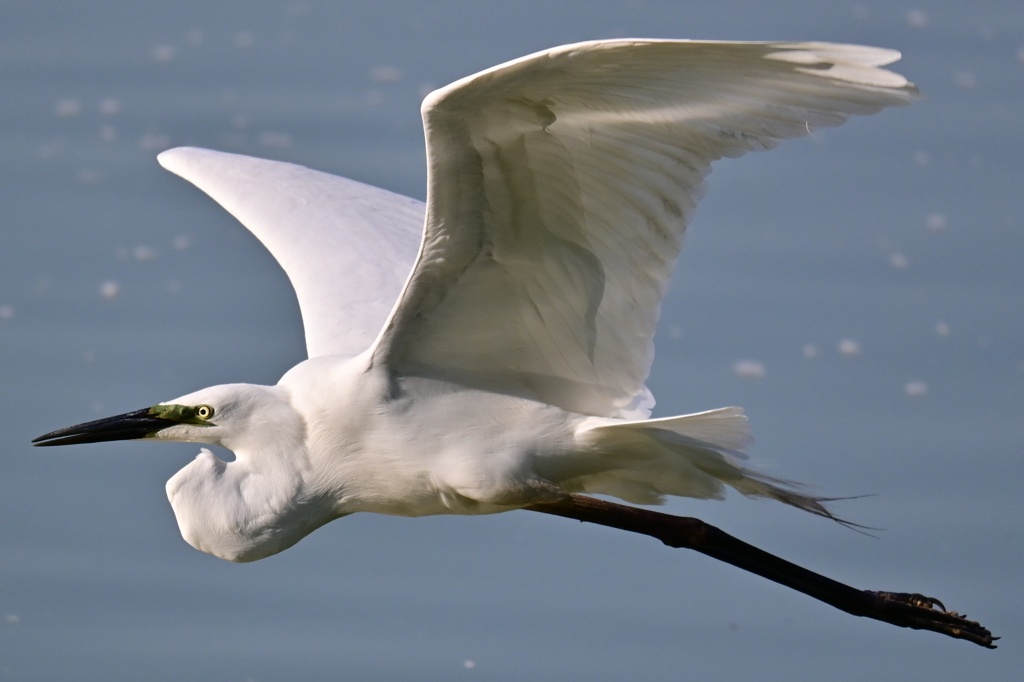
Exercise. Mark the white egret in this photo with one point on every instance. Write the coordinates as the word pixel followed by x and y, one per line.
pixel 510 372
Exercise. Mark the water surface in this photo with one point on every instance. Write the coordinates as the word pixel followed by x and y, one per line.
pixel 871 274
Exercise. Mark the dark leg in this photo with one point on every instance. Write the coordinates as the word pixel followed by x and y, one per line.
pixel 899 608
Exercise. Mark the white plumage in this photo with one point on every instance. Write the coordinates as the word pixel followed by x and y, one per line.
pixel 511 370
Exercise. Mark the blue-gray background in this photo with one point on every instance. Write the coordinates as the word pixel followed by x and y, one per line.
pixel 897 237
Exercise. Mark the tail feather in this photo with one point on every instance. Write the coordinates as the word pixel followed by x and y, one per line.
pixel 694 455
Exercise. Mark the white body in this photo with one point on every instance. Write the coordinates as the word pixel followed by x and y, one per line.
pixel 424 449
pixel 511 369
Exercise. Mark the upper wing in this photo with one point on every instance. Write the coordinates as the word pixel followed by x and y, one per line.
pixel 559 188
pixel 346 247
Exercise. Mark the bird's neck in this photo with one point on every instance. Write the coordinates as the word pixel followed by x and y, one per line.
pixel 247 509
pixel 262 502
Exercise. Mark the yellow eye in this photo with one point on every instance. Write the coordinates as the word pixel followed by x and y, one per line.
pixel 204 411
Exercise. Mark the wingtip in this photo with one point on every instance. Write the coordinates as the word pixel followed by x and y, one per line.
pixel 176 158
pixel 171 158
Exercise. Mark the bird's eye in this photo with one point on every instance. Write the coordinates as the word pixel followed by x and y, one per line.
pixel 204 411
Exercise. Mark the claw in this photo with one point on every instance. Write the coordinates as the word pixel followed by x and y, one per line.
pixel 931 602
pixel 915 599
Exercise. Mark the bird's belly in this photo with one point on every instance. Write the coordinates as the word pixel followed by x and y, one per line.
pixel 465 452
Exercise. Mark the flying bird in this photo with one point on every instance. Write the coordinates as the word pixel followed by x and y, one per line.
pixel 487 351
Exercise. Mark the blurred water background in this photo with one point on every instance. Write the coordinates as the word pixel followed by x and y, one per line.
pixel 859 292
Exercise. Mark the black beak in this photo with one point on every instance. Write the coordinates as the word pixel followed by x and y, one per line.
pixel 130 426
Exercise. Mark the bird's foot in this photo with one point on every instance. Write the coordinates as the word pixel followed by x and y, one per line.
pixel 927 613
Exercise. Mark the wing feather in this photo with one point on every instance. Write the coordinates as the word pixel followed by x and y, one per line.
pixel 559 188
pixel 346 247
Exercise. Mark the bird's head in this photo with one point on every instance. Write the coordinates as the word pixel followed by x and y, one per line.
pixel 242 510
pixel 220 415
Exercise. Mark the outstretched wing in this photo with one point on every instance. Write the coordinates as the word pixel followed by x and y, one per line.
pixel 346 247
pixel 560 185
